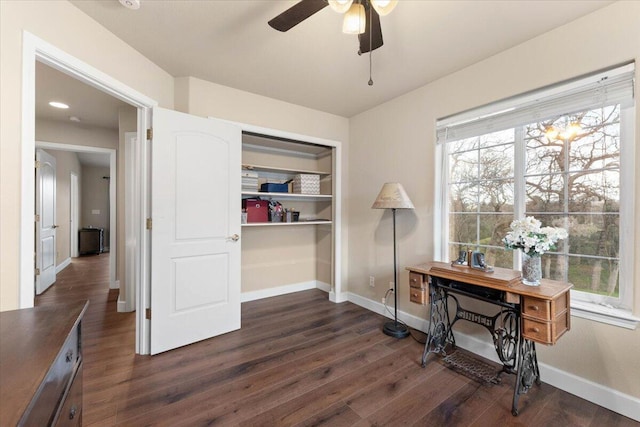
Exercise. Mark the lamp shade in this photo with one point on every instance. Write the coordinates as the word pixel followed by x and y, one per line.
pixel 392 196
pixel 340 6
pixel 384 7
pixel 355 20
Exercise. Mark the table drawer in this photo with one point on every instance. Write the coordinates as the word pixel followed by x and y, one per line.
pixel 536 308
pixel 419 296
pixel 417 280
pixel 70 413
pixel 545 332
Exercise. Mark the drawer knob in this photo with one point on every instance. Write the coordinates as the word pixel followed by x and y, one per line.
pixel 534 307
pixel 72 412
pixel 413 280
pixel 69 356
pixel 536 330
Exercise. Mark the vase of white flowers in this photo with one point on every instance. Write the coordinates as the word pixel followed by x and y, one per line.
pixel 533 240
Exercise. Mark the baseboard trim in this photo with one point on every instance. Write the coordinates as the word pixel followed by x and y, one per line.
pixel 122 305
pixel 622 403
pixel 64 264
pixel 279 290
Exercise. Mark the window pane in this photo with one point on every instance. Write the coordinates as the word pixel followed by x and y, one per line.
pixel 543 156
pixel 596 276
pixel 554 266
pixel 598 191
pixel 598 148
pixel 463 145
pixel 597 235
pixel 463 197
pixel 493 228
pixel 545 193
pixel 496 138
pixel 462 228
pixel 463 167
pixel 496 196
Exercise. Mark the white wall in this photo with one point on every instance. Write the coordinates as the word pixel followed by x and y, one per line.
pixel 64 26
pixel 396 142
pixel 94 209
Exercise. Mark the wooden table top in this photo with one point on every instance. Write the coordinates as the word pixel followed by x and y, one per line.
pixel 502 279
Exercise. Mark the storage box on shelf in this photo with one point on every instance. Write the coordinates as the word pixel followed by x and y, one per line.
pixel 306 184
pixel 249 180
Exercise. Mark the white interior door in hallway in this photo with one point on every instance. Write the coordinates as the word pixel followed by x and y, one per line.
pixel 45 220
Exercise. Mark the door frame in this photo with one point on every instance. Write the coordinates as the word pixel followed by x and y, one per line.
pixel 112 196
pixel 74 212
pixel 35 49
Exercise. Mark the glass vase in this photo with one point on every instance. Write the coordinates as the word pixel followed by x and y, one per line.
pixel 531 270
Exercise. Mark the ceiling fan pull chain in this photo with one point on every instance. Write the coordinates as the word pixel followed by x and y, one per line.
pixel 370 42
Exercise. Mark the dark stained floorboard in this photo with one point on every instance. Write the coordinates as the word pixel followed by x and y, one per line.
pixel 298 360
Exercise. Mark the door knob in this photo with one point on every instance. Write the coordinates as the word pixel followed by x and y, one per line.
pixel 55 226
pixel 235 238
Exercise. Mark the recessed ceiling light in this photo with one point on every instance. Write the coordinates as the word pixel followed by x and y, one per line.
pixel 57 104
pixel 131 4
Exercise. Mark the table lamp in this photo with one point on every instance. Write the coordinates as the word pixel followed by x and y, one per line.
pixel 392 196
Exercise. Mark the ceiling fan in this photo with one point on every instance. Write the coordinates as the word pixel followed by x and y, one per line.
pixel 362 17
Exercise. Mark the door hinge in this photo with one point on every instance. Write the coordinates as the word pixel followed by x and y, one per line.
pixel 147 313
pixel 150 134
pixel 37 272
pixel 38 164
pixel 149 223
pixel 37 218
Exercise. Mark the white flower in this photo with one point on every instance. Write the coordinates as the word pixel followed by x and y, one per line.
pixel 534 240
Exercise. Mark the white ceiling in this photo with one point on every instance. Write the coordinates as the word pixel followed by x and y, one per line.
pixel 91 106
pixel 313 64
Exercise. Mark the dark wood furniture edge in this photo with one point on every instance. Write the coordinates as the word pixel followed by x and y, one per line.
pixel 26 358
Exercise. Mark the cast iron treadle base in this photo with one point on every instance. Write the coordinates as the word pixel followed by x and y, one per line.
pixel 475 368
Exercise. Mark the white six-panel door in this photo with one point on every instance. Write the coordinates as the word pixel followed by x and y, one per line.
pixel 45 221
pixel 195 247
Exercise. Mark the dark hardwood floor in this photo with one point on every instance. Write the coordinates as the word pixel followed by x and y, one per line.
pixel 298 360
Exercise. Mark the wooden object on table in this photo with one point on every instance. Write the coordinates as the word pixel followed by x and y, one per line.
pixel 545 309
pixel 41 366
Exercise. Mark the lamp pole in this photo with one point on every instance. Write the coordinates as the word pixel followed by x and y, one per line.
pixel 395 329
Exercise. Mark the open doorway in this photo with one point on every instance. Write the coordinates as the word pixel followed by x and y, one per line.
pixel 83 138
pixel 37 51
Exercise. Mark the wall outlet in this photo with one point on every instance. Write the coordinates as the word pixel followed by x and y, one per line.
pixel 391 286
pixel 384 300
pixel 372 281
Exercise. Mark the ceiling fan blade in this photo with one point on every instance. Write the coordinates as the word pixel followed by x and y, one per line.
pixel 371 39
pixel 296 14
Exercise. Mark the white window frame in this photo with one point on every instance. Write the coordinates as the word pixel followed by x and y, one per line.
pixel 583 304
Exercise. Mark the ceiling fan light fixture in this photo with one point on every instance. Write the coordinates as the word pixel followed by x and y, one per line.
pixel 355 20
pixel 340 6
pixel 383 7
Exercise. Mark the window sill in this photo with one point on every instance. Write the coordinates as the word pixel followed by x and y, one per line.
pixel 603 314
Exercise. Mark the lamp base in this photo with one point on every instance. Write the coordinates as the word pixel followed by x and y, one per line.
pixel 396 330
